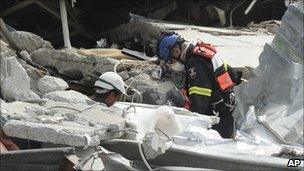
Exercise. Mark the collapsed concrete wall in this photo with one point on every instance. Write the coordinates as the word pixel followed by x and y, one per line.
pixel 277 92
pixel 72 63
pixel 74 124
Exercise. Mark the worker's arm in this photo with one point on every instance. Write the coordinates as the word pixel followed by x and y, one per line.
pixel 199 88
pixel 235 76
pixel 6 144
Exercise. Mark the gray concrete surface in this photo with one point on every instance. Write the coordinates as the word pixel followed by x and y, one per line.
pixel 29 41
pixel 72 62
pixel 70 96
pixel 48 84
pixel 15 83
pixel 237 51
pixel 61 122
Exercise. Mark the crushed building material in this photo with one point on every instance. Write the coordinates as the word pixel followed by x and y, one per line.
pixel 5 50
pixel 73 63
pixel 48 84
pixel 238 48
pixel 270 110
pixel 29 41
pixel 12 74
pixel 69 96
pixel 276 94
pixel 61 123
pixel 135 34
pixel 68 133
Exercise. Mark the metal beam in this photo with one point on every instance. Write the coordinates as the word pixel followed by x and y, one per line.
pixel 64 23
pixel 14 8
pixel 71 23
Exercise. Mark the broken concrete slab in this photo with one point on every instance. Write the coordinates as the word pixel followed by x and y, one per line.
pixel 25 55
pixel 5 50
pixel 124 75
pixel 237 51
pixel 237 48
pixel 29 41
pixel 105 52
pixel 18 111
pixel 68 133
pixel 69 96
pixel 68 110
pixel 48 84
pixel 35 75
pixel 61 122
pixel 73 63
pixel 99 114
pixel 15 83
pixel 135 33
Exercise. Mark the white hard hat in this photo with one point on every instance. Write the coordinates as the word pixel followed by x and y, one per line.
pixel 110 81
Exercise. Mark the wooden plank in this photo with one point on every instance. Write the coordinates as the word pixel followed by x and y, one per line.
pixel 106 52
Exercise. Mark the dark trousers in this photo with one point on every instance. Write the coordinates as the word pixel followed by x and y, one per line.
pixel 225 127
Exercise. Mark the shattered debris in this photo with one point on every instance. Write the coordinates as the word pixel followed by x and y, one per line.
pixel 12 74
pixel 29 41
pixel 39 101
pixel 6 51
pixel 69 96
pixel 73 63
pixel 48 84
pixel 276 94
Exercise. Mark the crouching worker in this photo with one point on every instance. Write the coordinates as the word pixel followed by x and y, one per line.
pixel 109 88
pixel 209 82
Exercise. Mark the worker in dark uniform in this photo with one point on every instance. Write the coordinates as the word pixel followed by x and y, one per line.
pixel 209 82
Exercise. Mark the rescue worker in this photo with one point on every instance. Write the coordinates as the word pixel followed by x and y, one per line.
pixel 209 82
pixel 109 88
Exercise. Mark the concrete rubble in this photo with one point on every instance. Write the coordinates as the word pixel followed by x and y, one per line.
pixel 48 83
pixel 72 62
pixel 275 96
pixel 29 41
pixel 69 96
pixel 58 116
pixel 47 109
pixel 12 74
pixel 6 51
pixel 60 122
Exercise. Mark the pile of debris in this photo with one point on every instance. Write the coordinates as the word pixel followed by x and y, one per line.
pixel 36 106
pixel 39 106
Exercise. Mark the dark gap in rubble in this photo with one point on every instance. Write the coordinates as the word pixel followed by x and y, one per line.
pixel 89 19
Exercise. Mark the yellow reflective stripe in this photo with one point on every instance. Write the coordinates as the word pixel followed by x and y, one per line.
pixel 200 90
pixel 225 67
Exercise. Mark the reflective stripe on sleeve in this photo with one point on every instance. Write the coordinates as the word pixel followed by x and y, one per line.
pixel 200 91
pixel 225 67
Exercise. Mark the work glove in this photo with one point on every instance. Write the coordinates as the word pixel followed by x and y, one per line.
pixel 230 102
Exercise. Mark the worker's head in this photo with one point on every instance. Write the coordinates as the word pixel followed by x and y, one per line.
pixel 169 47
pixel 109 88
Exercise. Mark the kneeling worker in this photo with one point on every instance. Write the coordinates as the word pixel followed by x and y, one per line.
pixel 109 88
pixel 209 82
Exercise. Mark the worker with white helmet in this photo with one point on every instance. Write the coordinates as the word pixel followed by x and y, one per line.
pixel 109 88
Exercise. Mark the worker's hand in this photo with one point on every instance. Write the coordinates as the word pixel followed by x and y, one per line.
pixel 231 103
pixel 231 99
pixel 165 71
